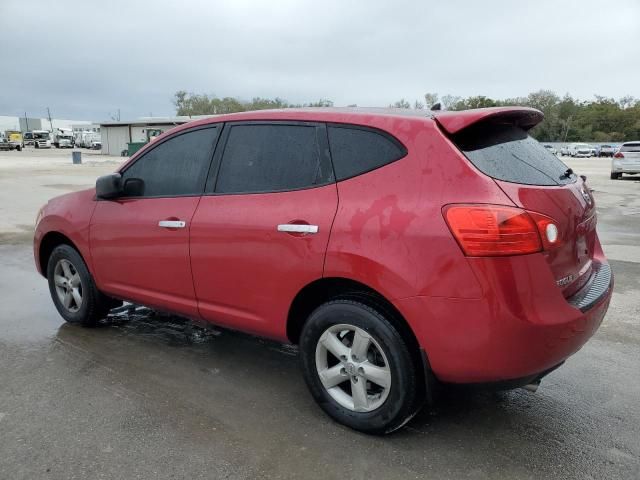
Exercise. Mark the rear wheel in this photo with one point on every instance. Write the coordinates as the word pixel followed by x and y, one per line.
pixel 615 176
pixel 73 290
pixel 358 367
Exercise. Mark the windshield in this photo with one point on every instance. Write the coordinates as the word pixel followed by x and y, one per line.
pixel 41 135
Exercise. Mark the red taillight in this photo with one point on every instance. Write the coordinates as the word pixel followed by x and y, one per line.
pixel 619 155
pixel 496 230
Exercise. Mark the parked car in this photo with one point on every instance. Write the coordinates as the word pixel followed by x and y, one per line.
pixel 551 149
pixel 580 150
pixel 606 151
pixel 564 150
pixel 398 251
pixel 626 160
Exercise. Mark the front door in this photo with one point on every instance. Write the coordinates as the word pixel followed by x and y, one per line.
pixel 261 234
pixel 140 242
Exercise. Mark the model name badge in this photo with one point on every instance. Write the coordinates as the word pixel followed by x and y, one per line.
pixel 564 281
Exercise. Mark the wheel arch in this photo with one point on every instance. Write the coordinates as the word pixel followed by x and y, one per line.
pixel 49 242
pixel 322 290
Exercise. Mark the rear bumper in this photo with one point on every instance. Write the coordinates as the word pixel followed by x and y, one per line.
pixel 518 330
pixel 626 169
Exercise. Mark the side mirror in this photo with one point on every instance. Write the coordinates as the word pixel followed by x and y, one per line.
pixel 133 187
pixel 109 186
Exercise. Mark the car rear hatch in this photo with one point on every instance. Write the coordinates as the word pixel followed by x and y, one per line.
pixel 496 142
pixel 630 158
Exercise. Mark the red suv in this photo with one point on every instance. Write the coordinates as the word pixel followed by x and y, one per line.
pixel 397 250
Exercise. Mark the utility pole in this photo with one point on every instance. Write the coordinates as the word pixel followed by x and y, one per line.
pixel 566 132
pixel 118 114
pixel 26 120
pixel 50 122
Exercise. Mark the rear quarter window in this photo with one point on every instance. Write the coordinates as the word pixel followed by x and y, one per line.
pixel 508 153
pixel 356 150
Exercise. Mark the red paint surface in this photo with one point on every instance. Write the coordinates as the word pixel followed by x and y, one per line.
pixel 247 273
pixel 479 319
pixel 137 260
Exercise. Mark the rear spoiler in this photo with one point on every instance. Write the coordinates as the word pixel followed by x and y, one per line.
pixel 454 121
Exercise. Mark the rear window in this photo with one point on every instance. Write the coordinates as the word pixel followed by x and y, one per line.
pixel 630 147
pixel 508 153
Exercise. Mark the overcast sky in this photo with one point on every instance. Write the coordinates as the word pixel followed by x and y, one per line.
pixel 85 59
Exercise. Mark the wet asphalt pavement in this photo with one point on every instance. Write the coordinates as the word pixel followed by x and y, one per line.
pixel 149 396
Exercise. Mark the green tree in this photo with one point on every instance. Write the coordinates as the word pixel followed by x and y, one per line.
pixel 402 103
pixel 430 99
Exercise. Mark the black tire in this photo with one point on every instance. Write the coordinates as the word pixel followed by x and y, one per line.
pixel 94 305
pixel 615 176
pixel 403 398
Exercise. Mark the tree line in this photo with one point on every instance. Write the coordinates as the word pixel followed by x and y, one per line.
pixel 566 119
pixel 190 104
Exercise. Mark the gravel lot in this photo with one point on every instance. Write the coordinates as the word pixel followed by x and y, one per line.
pixel 154 397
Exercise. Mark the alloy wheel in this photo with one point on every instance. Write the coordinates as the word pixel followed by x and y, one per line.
pixel 353 368
pixel 68 285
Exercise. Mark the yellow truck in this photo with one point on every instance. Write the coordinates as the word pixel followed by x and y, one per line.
pixel 14 138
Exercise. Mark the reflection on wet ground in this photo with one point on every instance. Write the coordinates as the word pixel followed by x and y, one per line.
pixel 172 330
pixel 164 386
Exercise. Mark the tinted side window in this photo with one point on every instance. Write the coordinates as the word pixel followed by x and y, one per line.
pixel 357 150
pixel 271 157
pixel 508 153
pixel 177 166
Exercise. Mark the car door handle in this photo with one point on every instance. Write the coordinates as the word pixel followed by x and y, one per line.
pixel 172 224
pixel 297 228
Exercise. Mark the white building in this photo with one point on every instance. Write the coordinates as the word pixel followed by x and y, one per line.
pixel 85 127
pixel 25 124
pixel 116 135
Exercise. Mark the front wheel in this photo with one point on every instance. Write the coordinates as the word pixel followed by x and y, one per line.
pixel 73 290
pixel 615 176
pixel 358 367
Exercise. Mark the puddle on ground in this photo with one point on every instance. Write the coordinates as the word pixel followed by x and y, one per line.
pixel 177 331
pixel 170 329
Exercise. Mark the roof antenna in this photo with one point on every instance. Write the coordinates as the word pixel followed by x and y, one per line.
pixel 436 106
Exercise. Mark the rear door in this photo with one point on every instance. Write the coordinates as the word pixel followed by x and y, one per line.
pixel 140 244
pixel 260 234
pixel 538 181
